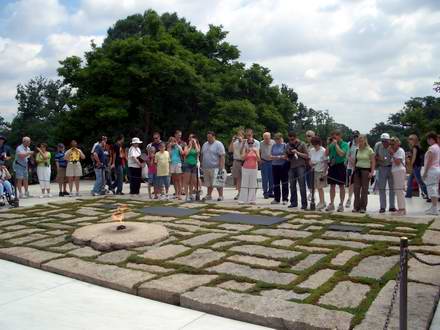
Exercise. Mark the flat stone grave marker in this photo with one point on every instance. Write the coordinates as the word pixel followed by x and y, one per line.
pixel 108 206
pixel 343 227
pixel 247 219
pixel 169 211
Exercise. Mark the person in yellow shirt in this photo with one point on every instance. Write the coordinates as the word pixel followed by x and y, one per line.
pixel 74 170
pixel 162 160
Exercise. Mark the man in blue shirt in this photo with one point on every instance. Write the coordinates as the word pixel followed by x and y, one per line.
pixel 100 160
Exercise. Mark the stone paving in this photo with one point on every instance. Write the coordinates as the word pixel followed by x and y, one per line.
pixel 294 275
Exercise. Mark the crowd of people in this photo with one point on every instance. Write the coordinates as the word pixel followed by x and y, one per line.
pixel 286 167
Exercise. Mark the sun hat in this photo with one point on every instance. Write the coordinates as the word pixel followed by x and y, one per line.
pixel 135 140
pixel 385 136
pixel 2 137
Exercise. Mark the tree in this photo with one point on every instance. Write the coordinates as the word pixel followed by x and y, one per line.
pixel 5 127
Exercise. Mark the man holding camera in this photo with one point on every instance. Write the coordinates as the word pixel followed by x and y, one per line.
pixel 297 154
pixel 337 153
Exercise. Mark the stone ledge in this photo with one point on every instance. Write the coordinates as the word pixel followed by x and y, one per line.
pixel 27 256
pixel 269 312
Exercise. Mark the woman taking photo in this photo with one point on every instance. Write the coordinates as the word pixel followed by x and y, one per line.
pixel 398 171
pixel 248 189
pixel 280 170
pixel 431 174
pixel 364 164
pixel 74 170
pixel 191 156
pixel 415 167
pixel 42 158
pixel 135 166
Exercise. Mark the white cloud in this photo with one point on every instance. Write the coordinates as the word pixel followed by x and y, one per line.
pixel 62 45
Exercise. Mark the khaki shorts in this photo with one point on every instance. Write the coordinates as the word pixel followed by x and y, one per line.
pixel 320 180
pixel 208 177
pixel 61 175
pixel 236 169
pixel 74 169
pixel 176 168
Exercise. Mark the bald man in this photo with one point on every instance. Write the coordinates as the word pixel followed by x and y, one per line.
pixel 266 165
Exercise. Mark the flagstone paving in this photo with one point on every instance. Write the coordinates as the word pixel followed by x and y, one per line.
pixel 294 275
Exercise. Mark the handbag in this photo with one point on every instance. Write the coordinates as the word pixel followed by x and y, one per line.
pixel 219 178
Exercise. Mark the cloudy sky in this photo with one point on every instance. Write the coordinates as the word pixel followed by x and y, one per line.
pixel 360 59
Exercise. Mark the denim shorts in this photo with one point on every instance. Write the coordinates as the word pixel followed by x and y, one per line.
pixel 152 178
pixel 21 172
pixel 163 181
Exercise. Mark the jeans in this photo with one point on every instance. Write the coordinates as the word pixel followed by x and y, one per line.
pixel 119 179
pixel 98 188
pixel 280 174
pixel 309 178
pixel 5 186
pixel 266 178
pixel 415 174
pixel 297 174
pixel 384 176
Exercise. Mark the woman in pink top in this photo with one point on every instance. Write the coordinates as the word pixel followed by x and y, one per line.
pixel 248 189
pixel 431 174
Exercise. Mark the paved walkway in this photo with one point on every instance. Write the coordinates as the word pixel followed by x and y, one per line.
pixel 32 299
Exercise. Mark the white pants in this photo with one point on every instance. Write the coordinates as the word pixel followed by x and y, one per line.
pixel 399 177
pixel 432 181
pixel 248 190
pixel 43 173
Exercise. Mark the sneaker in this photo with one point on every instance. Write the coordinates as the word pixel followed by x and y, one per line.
pixel 309 197
pixel 42 196
pixel 304 207
pixel 188 199
pixel 320 206
pixel 77 194
pixel 274 202
pixel 431 211
pixel 49 195
pixel 392 209
pixel 65 193
pixel 237 197
pixel 60 194
pixel 220 199
pixel 382 211
pixel 292 206
pixel 95 194
pixel 363 211
pixel 330 207
pixel 284 202
pixel 27 194
pixel 21 196
pixel 341 207
pixel 2 201
pixel 207 198
pixel 348 204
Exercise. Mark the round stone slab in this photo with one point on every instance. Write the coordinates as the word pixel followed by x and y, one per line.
pixel 105 236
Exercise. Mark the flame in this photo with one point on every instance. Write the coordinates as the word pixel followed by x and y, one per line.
pixel 118 214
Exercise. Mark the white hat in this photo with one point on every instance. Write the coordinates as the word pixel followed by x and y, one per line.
pixel 385 136
pixel 135 140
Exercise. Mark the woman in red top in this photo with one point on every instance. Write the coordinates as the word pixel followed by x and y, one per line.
pixel 248 189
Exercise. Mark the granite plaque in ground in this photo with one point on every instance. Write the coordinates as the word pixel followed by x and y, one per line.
pixel 247 219
pixel 168 211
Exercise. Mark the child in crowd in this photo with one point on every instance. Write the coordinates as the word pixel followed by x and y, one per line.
pixel 162 160
pixel 152 171
pixel 5 185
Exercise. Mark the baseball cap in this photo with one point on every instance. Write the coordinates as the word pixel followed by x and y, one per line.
pixel 385 136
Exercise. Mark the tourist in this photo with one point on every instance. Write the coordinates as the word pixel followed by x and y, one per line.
pixel 415 165
pixel 191 155
pixel 364 163
pixel 5 151
pixel 102 138
pixel 156 142
pixel 5 185
pixel 42 158
pixel 108 152
pixel 248 187
pixel 179 140
pixel 61 164
pixel 135 166
pixel 280 170
pixel 337 152
pixel 235 147
pixel 175 152
pixel 353 145
pixel 296 152
pixel 162 160
pixel 431 173
pixel 198 181
pixel 250 137
pixel 118 165
pixel 309 135
pixel 152 172
pixel 384 175
pixel 213 161
pixel 100 162
pixel 266 165
pixel 74 170
pixel 398 171
pixel 319 164
pixel 21 167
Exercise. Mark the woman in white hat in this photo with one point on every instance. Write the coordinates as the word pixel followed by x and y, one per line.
pixel 135 166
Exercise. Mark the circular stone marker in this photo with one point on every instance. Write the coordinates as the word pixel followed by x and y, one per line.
pixel 105 236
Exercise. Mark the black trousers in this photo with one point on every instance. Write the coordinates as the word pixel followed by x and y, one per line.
pixel 134 175
pixel 280 174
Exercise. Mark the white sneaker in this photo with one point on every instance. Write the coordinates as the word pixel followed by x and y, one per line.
pixel 320 206
pixel 330 207
pixel 431 211
pixel 21 196
pixel 27 194
pixel 49 195
pixel 309 197
pixel 348 204
pixel 42 196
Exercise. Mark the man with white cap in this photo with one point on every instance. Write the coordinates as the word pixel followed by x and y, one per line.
pixel 384 175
